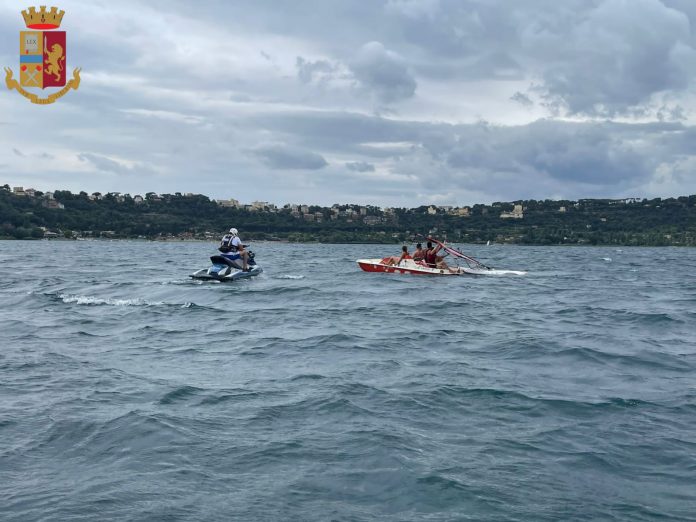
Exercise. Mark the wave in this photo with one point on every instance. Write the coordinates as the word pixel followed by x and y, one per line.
pixel 450 396
pixel 90 300
pixel 239 395
pixel 181 393
pixel 379 394
pixel 496 272
pixel 644 358
pixel 96 301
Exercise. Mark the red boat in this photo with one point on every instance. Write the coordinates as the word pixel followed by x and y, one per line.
pixel 409 266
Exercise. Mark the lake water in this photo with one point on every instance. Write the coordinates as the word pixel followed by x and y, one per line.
pixel 319 392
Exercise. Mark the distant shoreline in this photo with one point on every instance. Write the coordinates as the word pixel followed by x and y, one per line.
pixel 257 241
pixel 193 217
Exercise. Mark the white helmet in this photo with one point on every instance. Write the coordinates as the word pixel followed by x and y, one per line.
pixel 233 231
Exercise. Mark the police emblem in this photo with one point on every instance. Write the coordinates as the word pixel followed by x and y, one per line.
pixel 42 57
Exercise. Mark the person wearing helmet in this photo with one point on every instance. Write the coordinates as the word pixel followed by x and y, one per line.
pixel 232 244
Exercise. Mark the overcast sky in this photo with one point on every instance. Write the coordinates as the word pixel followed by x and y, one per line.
pixel 386 102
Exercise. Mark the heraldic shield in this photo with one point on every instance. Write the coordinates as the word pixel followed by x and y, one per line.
pixel 42 59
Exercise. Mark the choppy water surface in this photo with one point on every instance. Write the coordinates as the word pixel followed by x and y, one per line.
pixel 319 392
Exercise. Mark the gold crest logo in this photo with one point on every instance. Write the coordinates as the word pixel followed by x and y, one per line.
pixel 42 57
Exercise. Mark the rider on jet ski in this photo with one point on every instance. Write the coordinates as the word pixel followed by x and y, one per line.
pixel 231 244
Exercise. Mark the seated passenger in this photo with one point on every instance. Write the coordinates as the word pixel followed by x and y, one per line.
pixel 435 261
pixel 419 254
pixel 396 260
pixel 431 257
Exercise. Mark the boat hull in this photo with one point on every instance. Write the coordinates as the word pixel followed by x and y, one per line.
pixel 233 275
pixel 406 267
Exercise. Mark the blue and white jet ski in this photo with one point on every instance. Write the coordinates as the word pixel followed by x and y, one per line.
pixel 228 267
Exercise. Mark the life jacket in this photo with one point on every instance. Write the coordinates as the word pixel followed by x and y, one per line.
pixel 431 258
pixel 226 245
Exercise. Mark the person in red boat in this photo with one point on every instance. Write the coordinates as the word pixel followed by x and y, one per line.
pixel 419 254
pixel 433 260
pixel 396 260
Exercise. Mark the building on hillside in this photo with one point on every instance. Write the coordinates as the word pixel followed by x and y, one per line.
pixel 53 204
pixel 515 214
pixel 18 191
pixel 260 205
pixel 228 203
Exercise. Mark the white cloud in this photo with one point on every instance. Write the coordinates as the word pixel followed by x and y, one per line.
pixel 175 117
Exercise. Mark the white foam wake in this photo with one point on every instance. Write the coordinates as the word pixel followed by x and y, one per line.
pixel 495 272
pixel 91 300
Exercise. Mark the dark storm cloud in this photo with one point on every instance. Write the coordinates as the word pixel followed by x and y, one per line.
pixel 598 154
pixel 545 157
pixel 308 70
pixel 104 164
pixel 360 166
pixel 383 73
pixel 41 155
pixel 332 90
pixel 605 57
pixel 289 158
pixel 616 61
pixel 522 99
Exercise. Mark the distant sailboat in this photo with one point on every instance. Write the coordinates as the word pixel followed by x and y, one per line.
pixel 488 243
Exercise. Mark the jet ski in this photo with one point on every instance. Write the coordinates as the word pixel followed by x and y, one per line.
pixel 228 267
